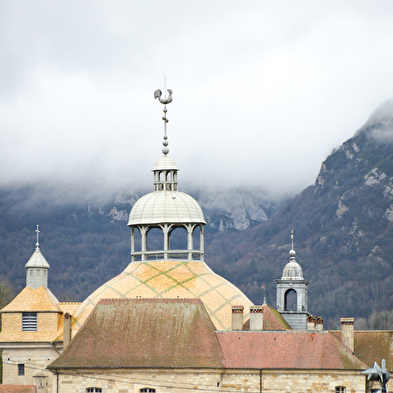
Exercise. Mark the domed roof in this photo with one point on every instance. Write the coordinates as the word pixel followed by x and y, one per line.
pixel 165 162
pixel 292 270
pixel 171 279
pixel 166 206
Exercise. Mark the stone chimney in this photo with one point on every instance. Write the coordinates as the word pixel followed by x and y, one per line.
pixel 237 317
pixel 67 329
pixel 318 324
pixel 310 323
pixel 347 333
pixel 256 318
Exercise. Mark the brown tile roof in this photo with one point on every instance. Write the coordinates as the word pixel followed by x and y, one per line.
pixel 372 346
pixel 290 349
pixel 18 389
pixel 38 299
pixel 272 320
pixel 126 333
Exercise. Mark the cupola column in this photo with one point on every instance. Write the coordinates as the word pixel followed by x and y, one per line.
pixel 202 243
pixel 190 246
pixel 166 240
pixel 143 230
pixel 132 245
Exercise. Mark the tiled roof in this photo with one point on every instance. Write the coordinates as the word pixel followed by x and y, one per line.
pixel 38 299
pixel 272 320
pixel 124 333
pixel 372 346
pixel 286 350
pixel 18 389
pixel 171 280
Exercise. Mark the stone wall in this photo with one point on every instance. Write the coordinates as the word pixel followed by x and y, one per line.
pixel 248 381
pixel 35 361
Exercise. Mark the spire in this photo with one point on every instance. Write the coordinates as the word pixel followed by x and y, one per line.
pixel 37 267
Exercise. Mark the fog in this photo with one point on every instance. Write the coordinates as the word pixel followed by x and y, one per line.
pixel 262 91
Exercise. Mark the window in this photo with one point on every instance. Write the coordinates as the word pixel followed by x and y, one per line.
pixel 21 369
pixel 147 390
pixel 29 322
pixel 93 390
pixel 340 389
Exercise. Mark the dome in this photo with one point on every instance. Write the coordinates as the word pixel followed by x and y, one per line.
pixel 165 163
pixel 292 270
pixel 171 280
pixel 168 206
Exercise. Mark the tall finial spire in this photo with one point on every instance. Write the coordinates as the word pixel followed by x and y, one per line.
pixel 292 237
pixel 165 101
pixel 38 234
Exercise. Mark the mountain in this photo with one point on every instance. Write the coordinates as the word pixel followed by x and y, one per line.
pixel 343 227
pixel 86 243
pixel 343 231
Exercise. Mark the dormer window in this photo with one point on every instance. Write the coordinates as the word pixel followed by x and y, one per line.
pixel 29 322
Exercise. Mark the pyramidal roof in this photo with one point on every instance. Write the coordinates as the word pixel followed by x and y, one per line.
pixel 33 299
pixel 37 260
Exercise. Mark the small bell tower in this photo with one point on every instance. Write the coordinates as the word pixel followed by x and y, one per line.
pixel 37 268
pixel 292 297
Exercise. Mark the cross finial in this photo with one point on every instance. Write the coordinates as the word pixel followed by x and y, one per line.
pixel 38 234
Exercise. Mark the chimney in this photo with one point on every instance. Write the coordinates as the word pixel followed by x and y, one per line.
pixel 256 318
pixel 347 333
pixel 67 330
pixel 237 317
pixel 318 324
pixel 310 323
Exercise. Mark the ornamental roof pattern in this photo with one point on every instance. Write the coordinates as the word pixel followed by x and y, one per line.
pixel 171 279
pixel 166 207
pixel 137 333
pixel 286 350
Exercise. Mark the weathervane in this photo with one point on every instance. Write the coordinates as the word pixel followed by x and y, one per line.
pixel 165 101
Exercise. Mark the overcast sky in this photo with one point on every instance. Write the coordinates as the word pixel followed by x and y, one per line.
pixel 262 90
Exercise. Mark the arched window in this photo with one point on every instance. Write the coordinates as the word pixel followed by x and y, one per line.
pixel 93 390
pixel 147 390
pixel 340 389
pixel 290 300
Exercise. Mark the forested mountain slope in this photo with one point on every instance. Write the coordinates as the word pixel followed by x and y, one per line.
pixel 343 228
pixel 343 231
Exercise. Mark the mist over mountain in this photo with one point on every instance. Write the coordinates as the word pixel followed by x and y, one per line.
pixel 343 228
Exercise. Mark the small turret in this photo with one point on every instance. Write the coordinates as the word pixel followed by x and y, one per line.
pixel 37 268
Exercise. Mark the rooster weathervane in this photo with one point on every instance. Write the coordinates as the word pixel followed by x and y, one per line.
pixel 166 100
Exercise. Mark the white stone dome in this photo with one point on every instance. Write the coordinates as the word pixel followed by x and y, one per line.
pixel 166 207
pixel 292 270
pixel 165 163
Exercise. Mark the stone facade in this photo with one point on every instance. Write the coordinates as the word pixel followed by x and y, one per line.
pixel 34 358
pixel 216 380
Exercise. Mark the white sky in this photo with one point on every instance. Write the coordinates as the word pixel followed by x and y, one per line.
pixel 263 90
